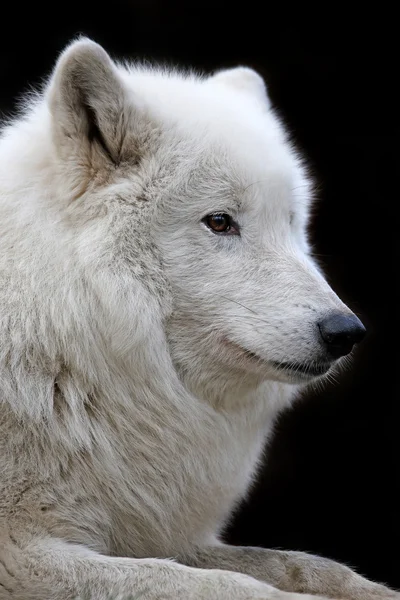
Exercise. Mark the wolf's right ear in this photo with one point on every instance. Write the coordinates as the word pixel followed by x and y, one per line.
pixel 89 105
pixel 245 79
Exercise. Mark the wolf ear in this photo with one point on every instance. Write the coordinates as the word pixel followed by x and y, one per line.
pixel 243 78
pixel 88 103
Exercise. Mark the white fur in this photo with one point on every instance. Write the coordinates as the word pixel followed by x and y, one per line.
pixel 131 421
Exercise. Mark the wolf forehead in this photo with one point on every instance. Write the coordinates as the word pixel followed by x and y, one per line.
pixel 207 135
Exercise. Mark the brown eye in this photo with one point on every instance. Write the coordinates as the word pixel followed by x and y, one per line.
pixel 220 223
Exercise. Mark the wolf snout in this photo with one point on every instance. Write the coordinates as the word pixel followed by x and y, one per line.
pixel 340 331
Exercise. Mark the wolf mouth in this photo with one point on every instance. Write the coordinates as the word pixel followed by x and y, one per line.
pixel 307 369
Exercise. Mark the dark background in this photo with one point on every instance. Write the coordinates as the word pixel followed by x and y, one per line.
pixel 331 484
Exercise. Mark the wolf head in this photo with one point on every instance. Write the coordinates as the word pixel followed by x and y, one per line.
pixel 181 208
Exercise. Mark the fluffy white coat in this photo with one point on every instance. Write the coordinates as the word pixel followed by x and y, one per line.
pixel 139 348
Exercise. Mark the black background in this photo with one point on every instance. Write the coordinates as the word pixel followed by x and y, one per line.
pixel 331 484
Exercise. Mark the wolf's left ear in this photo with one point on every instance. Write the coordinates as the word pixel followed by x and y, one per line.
pixel 89 105
pixel 243 78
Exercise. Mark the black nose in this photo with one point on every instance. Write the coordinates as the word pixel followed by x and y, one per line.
pixel 340 332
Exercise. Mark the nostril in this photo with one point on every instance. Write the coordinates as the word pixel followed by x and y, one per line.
pixel 340 331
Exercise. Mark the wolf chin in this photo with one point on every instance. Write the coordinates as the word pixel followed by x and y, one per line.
pixel 159 306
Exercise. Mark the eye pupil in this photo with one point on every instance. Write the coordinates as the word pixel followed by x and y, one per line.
pixel 220 222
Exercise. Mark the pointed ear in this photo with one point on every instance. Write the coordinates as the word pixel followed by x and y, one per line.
pixel 89 105
pixel 245 79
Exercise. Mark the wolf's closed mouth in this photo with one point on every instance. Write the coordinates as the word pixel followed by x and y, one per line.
pixel 304 368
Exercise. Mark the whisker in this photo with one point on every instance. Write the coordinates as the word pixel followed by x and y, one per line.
pixel 247 308
pixel 254 183
pixel 300 187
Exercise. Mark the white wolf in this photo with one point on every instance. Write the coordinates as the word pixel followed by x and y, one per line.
pixel 158 306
